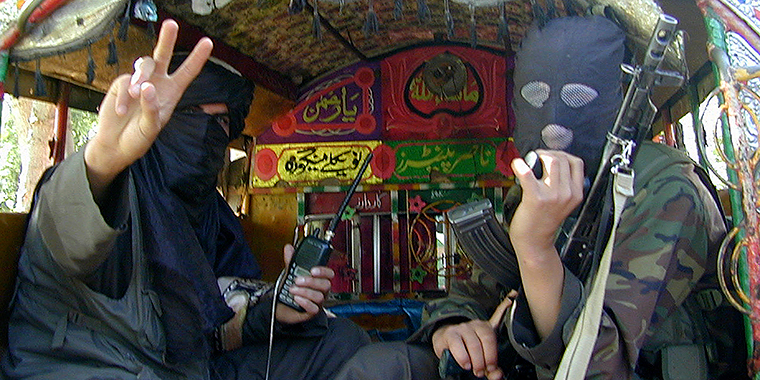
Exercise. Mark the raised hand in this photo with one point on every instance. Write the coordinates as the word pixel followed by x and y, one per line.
pixel 309 292
pixel 552 197
pixel 545 204
pixel 137 107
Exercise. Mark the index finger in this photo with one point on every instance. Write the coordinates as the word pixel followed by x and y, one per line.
pixel 498 314
pixel 322 272
pixel 194 62
pixel 167 37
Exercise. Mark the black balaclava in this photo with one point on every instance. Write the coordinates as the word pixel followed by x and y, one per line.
pixel 567 87
pixel 190 235
pixel 195 141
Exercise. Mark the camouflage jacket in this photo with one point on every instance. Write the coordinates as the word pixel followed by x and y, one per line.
pixel 664 249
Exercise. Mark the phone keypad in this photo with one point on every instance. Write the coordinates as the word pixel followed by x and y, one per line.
pixel 285 296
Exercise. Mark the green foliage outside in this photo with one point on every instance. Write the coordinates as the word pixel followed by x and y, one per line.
pixel 10 165
pixel 82 126
pixel 82 129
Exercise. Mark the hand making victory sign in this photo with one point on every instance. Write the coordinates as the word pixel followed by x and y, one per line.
pixel 138 106
pixel 133 113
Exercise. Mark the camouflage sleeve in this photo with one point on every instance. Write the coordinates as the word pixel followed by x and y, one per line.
pixel 473 298
pixel 666 234
pixel 661 248
pixel 547 353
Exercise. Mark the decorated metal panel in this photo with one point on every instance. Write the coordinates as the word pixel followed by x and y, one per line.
pixel 294 165
pixel 343 106
pixel 364 202
pixel 446 92
pixel 445 160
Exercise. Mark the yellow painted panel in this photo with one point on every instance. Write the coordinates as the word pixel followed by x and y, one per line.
pixel 271 224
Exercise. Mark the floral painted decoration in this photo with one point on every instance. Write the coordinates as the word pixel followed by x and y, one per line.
pixel 416 204
pixel 348 213
pixel 417 274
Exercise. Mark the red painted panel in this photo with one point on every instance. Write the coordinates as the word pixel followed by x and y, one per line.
pixel 412 111
pixel 328 203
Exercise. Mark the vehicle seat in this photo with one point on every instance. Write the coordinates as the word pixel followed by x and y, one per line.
pixel 11 231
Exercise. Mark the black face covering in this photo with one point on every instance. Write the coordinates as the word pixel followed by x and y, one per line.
pixel 190 235
pixel 192 147
pixel 567 87
pixel 218 84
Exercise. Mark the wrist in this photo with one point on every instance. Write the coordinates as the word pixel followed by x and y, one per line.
pixel 532 244
pixel 101 169
pixel 537 259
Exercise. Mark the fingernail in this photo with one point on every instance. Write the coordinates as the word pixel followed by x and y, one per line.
pixel 149 95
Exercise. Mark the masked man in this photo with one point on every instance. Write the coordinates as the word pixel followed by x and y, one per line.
pixel 567 83
pixel 131 255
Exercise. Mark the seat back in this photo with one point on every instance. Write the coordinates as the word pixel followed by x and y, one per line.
pixel 11 232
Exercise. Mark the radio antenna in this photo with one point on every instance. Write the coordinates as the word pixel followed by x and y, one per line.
pixel 334 222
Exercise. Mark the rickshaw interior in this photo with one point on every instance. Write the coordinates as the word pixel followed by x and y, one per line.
pixel 346 77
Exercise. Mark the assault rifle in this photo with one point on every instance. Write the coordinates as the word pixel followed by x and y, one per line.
pixel 591 231
pixel 482 238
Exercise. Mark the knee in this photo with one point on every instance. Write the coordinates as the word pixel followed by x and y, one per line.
pixel 390 360
pixel 348 331
pixel 375 361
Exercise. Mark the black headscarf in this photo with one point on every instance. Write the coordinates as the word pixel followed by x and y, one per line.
pixel 190 235
pixel 567 87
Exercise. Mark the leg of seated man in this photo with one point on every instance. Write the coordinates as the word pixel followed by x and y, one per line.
pixel 391 360
pixel 315 358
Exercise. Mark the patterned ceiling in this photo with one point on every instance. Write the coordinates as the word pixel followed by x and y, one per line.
pixel 279 50
pixel 286 43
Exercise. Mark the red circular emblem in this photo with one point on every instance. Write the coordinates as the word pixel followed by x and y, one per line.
pixel 384 162
pixel 265 164
pixel 364 77
pixel 285 126
pixel 365 124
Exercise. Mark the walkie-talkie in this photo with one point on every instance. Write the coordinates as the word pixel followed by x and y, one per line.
pixel 315 251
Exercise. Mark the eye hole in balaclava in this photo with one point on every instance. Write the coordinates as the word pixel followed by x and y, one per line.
pixel 535 93
pixel 568 77
pixel 577 95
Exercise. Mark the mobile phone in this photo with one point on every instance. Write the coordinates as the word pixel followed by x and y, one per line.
pixel 311 251
pixel 314 251
pixel 535 164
